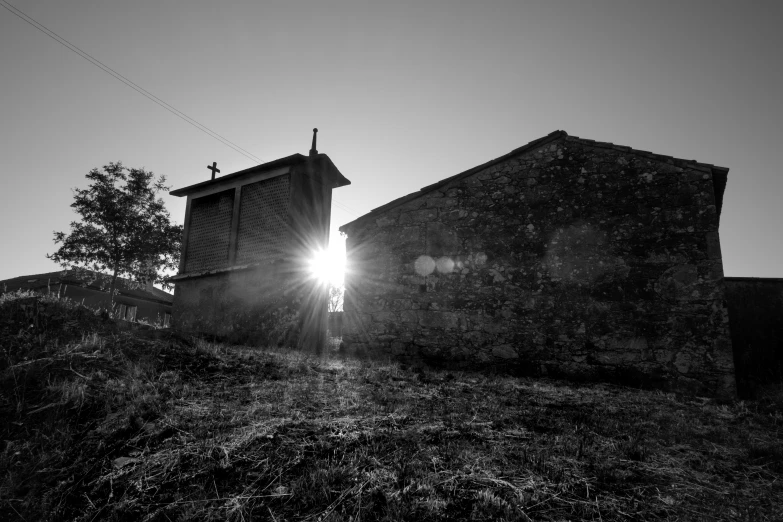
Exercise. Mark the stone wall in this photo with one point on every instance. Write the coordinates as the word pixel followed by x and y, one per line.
pixel 567 259
pixel 269 305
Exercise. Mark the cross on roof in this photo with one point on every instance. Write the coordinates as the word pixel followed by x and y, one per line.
pixel 213 168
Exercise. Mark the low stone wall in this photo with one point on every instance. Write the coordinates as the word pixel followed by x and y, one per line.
pixel 756 316
pixel 567 260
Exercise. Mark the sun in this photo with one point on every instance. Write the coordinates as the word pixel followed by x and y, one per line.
pixel 328 266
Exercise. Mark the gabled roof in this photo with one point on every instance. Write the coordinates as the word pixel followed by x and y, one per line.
pixel 67 277
pixel 338 180
pixel 720 174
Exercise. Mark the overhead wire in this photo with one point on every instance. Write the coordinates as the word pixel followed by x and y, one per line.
pixel 141 90
pixel 59 39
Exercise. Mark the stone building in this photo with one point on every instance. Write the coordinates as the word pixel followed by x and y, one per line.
pixel 565 257
pixel 755 307
pixel 249 237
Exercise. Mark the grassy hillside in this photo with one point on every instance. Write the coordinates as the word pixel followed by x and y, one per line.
pixel 100 422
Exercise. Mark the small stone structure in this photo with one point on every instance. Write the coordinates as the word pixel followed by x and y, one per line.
pixel 756 315
pixel 249 238
pixel 566 257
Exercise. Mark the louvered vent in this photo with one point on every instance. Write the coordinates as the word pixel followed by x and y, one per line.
pixel 263 220
pixel 209 232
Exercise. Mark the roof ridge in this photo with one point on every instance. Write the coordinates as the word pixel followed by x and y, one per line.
pixel 627 148
pixel 413 195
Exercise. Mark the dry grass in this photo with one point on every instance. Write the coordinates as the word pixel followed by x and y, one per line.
pixel 119 425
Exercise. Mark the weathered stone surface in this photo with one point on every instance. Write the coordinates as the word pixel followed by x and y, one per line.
pixel 250 306
pixel 566 259
pixel 442 239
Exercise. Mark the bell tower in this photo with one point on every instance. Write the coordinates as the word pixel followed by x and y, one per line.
pixel 249 237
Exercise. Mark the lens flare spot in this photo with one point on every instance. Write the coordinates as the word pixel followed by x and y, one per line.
pixel 424 265
pixel 445 265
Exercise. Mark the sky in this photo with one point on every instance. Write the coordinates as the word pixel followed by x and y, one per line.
pixel 404 94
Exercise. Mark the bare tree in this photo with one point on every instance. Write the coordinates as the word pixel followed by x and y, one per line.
pixel 336 294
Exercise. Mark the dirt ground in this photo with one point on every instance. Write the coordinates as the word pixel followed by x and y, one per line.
pixel 102 422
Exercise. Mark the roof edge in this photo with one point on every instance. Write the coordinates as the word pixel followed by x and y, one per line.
pixel 429 188
pixel 645 153
pixel 720 174
pixel 67 277
pixel 755 279
pixel 720 177
pixel 288 160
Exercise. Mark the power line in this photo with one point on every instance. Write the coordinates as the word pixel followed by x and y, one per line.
pixel 141 90
pixel 345 208
pixel 59 39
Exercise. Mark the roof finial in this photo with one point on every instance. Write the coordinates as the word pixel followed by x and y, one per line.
pixel 313 150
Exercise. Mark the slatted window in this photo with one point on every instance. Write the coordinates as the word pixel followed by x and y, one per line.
pixel 209 232
pixel 263 220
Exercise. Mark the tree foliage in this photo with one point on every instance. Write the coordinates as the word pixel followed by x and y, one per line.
pixel 125 229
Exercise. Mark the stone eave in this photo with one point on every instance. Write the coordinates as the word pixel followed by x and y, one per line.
pixel 236 176
pixel 720 176
pixel 336 177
